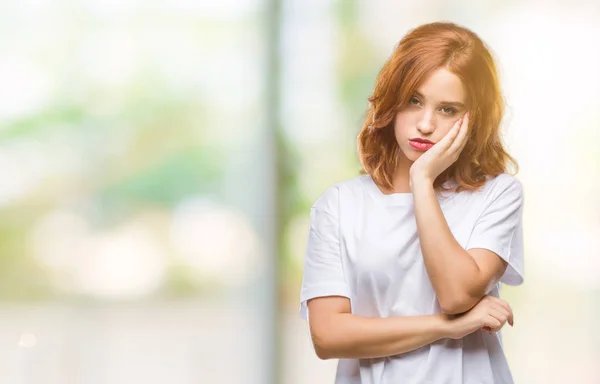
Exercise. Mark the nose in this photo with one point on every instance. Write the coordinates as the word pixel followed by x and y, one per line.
pixel 426 123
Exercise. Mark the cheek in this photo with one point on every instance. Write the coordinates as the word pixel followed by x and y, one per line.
pixel 402 124
pixel 445 126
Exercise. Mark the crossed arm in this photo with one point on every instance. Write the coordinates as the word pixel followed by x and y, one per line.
pixel 460 278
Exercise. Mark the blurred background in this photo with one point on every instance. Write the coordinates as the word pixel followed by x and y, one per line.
pixel 159 158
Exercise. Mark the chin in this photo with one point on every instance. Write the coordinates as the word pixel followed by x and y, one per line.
pixel 411 154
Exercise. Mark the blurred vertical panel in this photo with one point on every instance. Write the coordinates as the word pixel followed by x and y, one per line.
pixel 273 212
pixel 138 193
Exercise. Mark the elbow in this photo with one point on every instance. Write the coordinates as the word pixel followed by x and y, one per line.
pixel 323 347
pixel 453 308
pixel 323 353
pixel 328 336
pixel 457 304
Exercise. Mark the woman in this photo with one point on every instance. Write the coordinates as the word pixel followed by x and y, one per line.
pixel 404 262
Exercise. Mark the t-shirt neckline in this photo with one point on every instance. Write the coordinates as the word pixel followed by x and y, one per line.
pixel 397 198
pixel 393 199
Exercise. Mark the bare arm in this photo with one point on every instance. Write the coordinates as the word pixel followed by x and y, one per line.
pixel 460 278
pixel 337 333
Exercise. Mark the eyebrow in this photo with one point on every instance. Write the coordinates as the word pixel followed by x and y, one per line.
pixel 452 103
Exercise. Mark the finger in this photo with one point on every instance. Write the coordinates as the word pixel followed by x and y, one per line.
pixel 506 307
pixel 498 315
pixel 496 327
pixel 511 317
pixel 502 303
pixel 450 137
pixel 465 139
pixel 493 323
pixel 461 139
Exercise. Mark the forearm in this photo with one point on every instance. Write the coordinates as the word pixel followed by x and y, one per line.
pixel 454 274
pixel 351 336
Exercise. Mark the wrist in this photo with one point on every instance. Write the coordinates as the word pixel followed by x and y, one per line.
pixel 458 326
pixel 419 182
pixel 420 179
pixel 447 327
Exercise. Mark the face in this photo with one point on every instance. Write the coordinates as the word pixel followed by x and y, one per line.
pixel 431 112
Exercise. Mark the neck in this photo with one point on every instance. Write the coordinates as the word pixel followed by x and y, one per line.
pixel 401 177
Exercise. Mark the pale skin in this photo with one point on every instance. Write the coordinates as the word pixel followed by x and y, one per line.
pixel 460 278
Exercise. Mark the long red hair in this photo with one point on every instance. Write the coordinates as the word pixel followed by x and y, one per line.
pixel 422 51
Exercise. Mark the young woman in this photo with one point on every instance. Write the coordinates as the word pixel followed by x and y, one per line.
pixel 404 262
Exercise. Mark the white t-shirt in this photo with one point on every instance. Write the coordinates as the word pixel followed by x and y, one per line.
pixel 364 245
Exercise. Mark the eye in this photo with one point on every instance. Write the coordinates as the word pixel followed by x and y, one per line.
pixel 449 110
pixel 414 101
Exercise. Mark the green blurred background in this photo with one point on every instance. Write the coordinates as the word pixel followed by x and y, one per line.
pixel 159 160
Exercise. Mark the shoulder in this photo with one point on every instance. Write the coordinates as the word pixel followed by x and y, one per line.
pixel 330 198
pixel 502 190
pixel 504 184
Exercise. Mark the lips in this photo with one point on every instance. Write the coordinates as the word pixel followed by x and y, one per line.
pixel 419 140
pixel 420 144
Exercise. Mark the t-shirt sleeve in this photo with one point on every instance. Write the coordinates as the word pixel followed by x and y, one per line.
pixel 500 228
pixel 323 269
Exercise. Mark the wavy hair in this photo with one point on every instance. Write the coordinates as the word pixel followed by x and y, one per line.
pixel 421 52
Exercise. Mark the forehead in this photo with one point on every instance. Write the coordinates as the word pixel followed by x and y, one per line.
pixel 442 85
